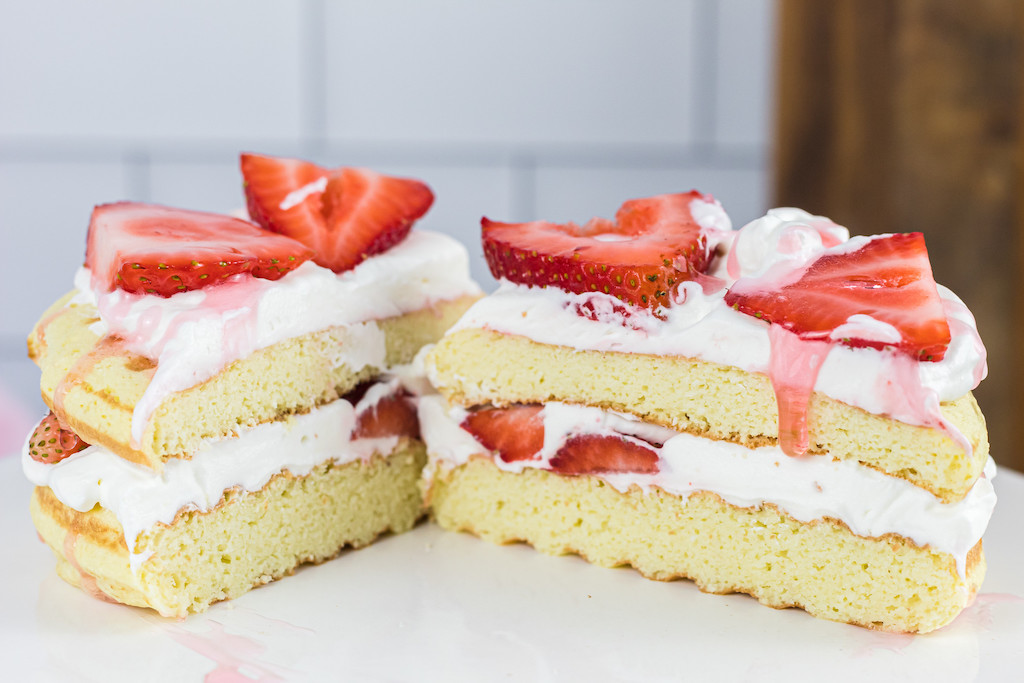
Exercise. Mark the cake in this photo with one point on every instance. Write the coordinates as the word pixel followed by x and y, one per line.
pixel 231 400
pixel 780 410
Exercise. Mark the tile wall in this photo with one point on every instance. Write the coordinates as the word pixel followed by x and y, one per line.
pixel 558 109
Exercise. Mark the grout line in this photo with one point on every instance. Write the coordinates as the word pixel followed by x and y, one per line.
pixel 313 43
pixel 523 187
pixel 137 175
pixel 705 80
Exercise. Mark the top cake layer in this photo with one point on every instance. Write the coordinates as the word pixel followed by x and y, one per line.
pixel 705 368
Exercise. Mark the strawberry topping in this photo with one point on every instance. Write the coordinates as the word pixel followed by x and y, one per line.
pixel 393 415
pixel 653 245
pixel 889 279
pixel 345 214
pixel 52 443
pixel 149 249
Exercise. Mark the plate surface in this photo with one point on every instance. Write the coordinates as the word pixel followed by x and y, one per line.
pixel 430 605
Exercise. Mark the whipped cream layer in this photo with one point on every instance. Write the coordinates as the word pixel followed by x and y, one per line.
pixel 194 335
pixel 141 498
pixel 701 325
pixel 870 503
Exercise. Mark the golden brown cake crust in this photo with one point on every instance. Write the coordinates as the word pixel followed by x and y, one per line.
pixel 247 540
pixel 93 384
pixel 475 366
pixel 884 583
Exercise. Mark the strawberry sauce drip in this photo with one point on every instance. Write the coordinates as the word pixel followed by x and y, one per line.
pixel 87 580
pixel 45 323
pixel 793 370
pixel 108 346
pixel 900 384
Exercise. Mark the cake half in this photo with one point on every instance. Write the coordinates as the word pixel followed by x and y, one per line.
pixel 236 402
pixel 642 426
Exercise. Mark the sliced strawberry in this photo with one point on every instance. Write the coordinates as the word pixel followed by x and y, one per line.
pixel 889 279
pixel 345 215
pixel 597 454
pixel 516 433
pixel 393 415
pixel 144 248
pixel 52 443
pixel 653 245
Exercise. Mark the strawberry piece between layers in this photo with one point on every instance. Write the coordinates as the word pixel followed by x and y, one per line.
pixel 51 443
pixel 889 279
pixel 346 215
pixel 653 245
pixel 393 415
pixel 517 433
pixel 150 249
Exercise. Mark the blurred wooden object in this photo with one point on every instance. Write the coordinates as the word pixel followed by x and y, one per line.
pixel 907 115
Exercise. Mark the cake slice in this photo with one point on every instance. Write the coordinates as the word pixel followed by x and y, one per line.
pixel 619 397
pixel 235 394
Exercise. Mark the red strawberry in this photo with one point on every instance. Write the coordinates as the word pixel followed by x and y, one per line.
pixel 393 415
pixel 594 454
pixel 144 248
pixel 889 279
pixel 52 443
pixel 516 433
pixel 654 245
pixel 346 214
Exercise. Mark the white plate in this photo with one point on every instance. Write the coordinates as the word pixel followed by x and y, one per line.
pixel 430 605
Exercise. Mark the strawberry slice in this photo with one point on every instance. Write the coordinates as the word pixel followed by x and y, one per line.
pixel 599 454
pixel 889 279
pixel 52 443
pixel 516 433
pixel 345 214
pixel 144 248
pixel 393 415
pixel 653 245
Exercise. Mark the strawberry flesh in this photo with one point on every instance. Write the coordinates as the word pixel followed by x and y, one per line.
pixel 889 279
pixel 393 415
pixel 515 433
pixel 149 249
pixel 602 454
pixel 345 215
pixel 641 258
pixel 50 442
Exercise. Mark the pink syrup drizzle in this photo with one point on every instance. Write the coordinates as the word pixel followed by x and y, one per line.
pixel 883 641
pixel 978 615
pixel 793 369
pixel 231 653
pixel 106 347
pixel 86 580
pixel 45 323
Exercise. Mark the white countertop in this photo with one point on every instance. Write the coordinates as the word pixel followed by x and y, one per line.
pixel 430 605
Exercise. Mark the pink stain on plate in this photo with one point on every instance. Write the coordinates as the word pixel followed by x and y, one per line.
pixel 235 656
pixel 978 615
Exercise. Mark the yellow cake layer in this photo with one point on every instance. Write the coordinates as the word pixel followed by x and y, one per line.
pixel 884 583
pixel 248 540
pixel 477 366
pixel 292 376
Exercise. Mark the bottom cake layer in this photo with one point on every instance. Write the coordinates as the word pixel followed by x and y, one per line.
pixel 247 540
pixel 886 583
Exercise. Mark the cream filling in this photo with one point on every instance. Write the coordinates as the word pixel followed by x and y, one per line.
pixel 870 503
pixel 141 498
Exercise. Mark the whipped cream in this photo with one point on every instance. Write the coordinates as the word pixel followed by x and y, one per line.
pixel 194 335
pixel 141 498
pixel 701 325
pixel 870 503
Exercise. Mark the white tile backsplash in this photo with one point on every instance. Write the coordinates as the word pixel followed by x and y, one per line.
pixel 44 217
pixel 121 70
pixel 535 71
pixel 539 109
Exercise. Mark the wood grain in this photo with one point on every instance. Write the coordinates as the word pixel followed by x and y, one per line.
pixel 902 116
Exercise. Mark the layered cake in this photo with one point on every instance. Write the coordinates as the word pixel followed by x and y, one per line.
pixel 781 410
pixel 230 400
